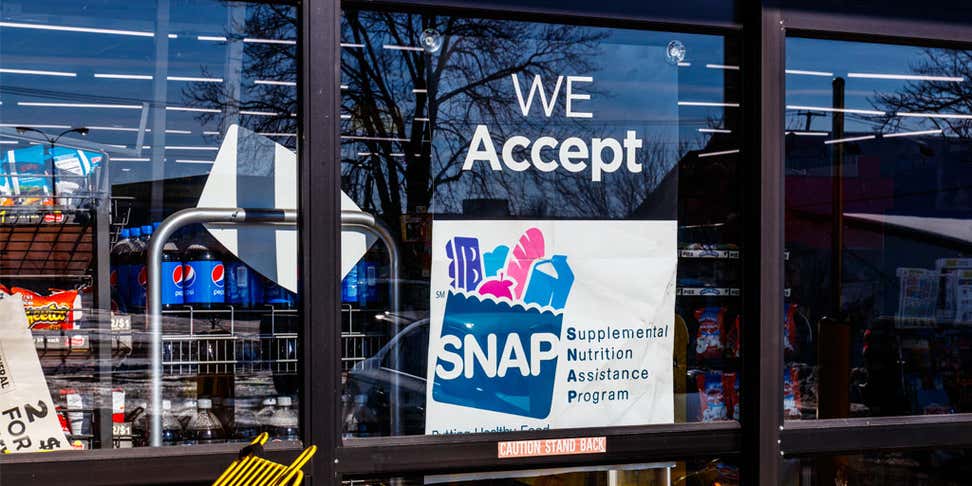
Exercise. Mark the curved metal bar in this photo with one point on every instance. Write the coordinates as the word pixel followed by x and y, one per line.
pixel 367 222
pixel 154 292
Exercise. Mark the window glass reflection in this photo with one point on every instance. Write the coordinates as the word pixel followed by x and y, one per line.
pixel 877 207
pixel 113 116
pixel 421 92
pixel 937 467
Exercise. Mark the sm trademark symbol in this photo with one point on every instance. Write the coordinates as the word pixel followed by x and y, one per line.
pixel 440 294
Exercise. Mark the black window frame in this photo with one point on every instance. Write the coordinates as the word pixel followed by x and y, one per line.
pixel 759 442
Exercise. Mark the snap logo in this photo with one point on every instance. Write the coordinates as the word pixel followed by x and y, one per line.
pixel 501 329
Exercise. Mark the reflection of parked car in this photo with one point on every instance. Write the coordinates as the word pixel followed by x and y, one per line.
pixel 368 391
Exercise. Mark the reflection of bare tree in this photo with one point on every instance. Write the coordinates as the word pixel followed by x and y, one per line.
pixel 935 96
pixel 415 112
pixel 276 62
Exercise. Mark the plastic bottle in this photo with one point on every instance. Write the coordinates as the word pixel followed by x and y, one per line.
pixel 244 287
pixel 363 290
pixel 267 407
pixel 173 281
pixel 247 424
pixel 204 427
pixel 203 276
pixel 349 287
pixel 283 423
pixel 120 266
pixel 277 296
pixel 171 428
pixel 137 277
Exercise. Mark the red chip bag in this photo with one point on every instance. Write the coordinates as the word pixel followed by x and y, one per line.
pixel 711 338
pixel 49 312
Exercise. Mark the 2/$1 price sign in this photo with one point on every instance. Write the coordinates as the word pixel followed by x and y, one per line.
pixel 543 324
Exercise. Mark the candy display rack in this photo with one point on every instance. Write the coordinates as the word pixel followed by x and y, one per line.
pixel 62 241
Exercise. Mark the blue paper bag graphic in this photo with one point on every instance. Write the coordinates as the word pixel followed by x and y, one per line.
pixel 506 353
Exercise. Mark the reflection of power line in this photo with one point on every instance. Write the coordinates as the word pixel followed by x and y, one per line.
pixel 808 114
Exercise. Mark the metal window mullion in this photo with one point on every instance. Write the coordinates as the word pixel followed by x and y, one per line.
pixel 762 377
pixel 836 436
pixel 319 225
pixel 421 454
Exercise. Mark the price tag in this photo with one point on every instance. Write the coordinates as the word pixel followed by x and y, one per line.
pixel 121 322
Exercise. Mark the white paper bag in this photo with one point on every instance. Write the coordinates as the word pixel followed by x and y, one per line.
pixel 28 420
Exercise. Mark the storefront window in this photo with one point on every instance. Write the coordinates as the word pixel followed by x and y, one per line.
pixel 114 116
pixel 877 204
pixel 708 472
pixel 936 467
pixel 562 205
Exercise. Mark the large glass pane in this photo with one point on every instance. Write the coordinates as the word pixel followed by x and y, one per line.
pixel 114 116
pixel 877 216
pixel 936 467
pixel 466 134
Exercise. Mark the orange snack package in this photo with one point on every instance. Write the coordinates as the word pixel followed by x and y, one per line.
pixel 52 312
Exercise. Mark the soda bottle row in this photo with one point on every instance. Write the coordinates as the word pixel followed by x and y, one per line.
pixel 360 285
pixel 204 426
pixel 198 276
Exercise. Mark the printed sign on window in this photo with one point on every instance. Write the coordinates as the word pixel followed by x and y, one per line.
pixel 550 324
pixel 28 421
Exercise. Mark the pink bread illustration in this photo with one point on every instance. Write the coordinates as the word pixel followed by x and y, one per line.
pixel 527 250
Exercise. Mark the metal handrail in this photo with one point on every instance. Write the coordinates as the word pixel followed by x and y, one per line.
pixel 352 219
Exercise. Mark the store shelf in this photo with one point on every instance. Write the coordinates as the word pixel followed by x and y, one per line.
pixel 708 292
pixel 229 341
pixel 709 253
pixel 45 242
pixel 77 347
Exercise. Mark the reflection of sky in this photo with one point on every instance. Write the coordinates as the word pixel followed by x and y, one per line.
pixel 635 87
pixel 86 53
pixel 841 58
pixel 917 174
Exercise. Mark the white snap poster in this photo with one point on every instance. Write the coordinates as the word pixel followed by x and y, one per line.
pixel 550 324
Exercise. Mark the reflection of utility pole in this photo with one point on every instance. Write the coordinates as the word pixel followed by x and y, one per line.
pixel 808 125
pixel 49 150
pixel 833 344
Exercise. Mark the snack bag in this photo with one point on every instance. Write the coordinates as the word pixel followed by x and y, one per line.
pixel 789 329
pixel 53 312
pixel 713 406
pixel 791 393
pixel 710 341
pixel 29 178
pixel 733 338
pixel 730 387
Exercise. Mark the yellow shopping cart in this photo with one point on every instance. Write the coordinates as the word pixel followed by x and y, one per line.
pixel 249 469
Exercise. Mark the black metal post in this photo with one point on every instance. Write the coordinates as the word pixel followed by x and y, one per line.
pixel 102 300
pixel 762 398
pixel 320 231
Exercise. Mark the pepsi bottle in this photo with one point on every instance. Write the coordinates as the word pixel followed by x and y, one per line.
pixel 278 297
pixel 119 270
pixel 172 277
pixel 244 287
pixel 202 278
pixel 137 276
